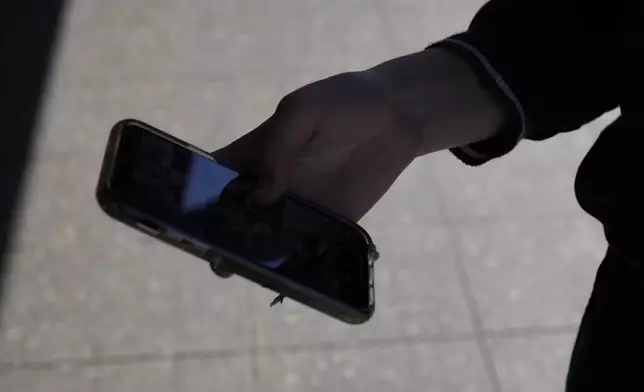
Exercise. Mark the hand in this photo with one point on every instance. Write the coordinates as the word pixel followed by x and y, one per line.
pixel 337 142
pixel 341 142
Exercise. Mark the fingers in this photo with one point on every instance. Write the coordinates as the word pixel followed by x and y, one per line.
pixel 269 152
pixel 241 155
pixel 289 132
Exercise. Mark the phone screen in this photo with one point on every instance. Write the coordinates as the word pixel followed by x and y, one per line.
pixel 195 195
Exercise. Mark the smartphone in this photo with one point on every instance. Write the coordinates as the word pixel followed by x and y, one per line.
pixel 181 195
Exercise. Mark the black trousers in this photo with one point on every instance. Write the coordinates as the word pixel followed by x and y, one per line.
pixel 609 351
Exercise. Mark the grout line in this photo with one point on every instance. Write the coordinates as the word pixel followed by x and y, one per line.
pixel 477 322
pixel 528 332
pixel 254 351
pixel 254 366
pixel 368 343
pixel 468 295
pixel 453 221
pixel 119 360
pixel 448 220
pixel 128 359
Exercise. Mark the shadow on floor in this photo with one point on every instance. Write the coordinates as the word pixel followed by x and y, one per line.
pixel 28 32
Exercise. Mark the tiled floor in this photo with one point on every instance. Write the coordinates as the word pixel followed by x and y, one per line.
pixel 484 271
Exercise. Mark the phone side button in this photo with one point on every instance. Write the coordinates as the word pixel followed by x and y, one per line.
pixel 149 228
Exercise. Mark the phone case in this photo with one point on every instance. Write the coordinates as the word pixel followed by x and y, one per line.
pixel 236 265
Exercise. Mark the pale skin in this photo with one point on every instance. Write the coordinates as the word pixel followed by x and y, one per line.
pixel 341 142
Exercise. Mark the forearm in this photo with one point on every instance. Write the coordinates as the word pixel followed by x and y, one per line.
pixel 437 92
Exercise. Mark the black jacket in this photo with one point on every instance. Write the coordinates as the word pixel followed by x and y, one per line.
pixel 556 65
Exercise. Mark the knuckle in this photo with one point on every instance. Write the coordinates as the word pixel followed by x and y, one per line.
pixel 303 100
pixel 292 101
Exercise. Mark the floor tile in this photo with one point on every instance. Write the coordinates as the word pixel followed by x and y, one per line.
pixel 412 200
pixel 414 24
pixel 208 113
pixel 448 367
pixel 82 284
pixel 207 74
pixel 151 41
pixel 226 374
pixel 518 185
pixel 195 375
pixel 534 364
pixel 417 293
pixel 531 272
pixel 535 179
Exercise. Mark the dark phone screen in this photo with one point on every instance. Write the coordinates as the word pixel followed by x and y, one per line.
pixel 195 195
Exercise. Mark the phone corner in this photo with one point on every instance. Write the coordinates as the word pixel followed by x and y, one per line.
pixel 360 317
pixel 125 122
pixel 104 199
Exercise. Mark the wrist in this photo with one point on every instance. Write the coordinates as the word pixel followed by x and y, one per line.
pixel 438 93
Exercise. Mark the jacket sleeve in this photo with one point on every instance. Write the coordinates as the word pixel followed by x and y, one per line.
pixel 551 63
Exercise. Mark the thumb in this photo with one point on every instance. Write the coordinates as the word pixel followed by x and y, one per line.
pixel 288 131
pixel 270 187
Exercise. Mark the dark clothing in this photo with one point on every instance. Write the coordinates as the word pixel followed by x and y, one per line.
pixel 608 352
pixel 557 65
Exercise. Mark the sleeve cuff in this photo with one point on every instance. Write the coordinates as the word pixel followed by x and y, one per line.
pixel 513 130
